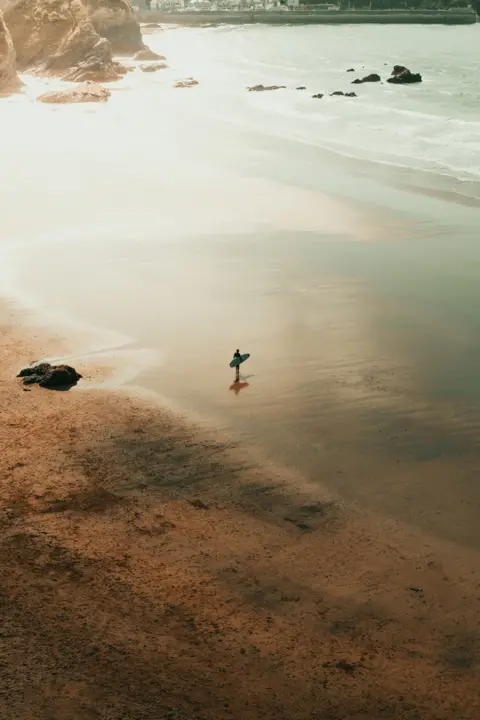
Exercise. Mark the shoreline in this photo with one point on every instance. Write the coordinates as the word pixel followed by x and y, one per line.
pixel 149 568
pixel 156 568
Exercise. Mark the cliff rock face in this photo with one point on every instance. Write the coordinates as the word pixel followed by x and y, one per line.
pixel 116 21
pixel 9 81
pixel 52 34
pixel 60 36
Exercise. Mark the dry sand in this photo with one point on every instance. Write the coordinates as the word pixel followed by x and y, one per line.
pixel 149 571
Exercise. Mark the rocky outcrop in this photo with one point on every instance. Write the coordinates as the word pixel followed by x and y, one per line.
pixel 302 87
pixel 58 377
pixel 115 20
pixel 373 77
pixel 189 82
pixel 87 93
pixel 318 96
pixel 52 34
pixel 343 94
pixel 9 81
pixel 147 54
pixel 94 71
pixel 263 88
pixel 154 67
pixel 402 76
pixel 57 36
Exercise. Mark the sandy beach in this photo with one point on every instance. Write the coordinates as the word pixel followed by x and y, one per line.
pixel 306 547
pixel 151 570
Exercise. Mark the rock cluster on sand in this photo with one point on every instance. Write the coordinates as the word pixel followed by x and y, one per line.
pixel 89 92
pixel 9 81
pixel 262 88
pixel 344 94
pixel 189 82
pixel 50 376
pixel 154 67
pixel 373 77
pixel 402 75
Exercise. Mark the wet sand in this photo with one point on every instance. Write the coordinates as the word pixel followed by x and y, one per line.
pixel 150 569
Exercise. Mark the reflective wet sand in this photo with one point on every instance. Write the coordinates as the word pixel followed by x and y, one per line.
pixel 355 293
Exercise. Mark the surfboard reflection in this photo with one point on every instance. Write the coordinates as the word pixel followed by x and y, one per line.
pixel 237 386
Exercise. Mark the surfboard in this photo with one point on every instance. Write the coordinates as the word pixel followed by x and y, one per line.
pixel 238 361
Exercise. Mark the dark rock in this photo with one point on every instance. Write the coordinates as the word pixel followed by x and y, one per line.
pixel 302 87
pixel 50 376
pixel 318 96
pixel 262 88
pixel 373 77
pixel 298 523
pixel 351 70
pixel 199 504
pixel 416 589
pixel 40 369
pixel 346 666
pixel 351 94
pixel 337 92
pixel 403 76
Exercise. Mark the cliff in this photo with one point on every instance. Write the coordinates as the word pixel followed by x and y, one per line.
pixel 71 38
pixel 9 81
pixel 116 21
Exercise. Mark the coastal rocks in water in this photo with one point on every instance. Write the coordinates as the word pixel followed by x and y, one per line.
pixel 367 79
pixel 318 96
pixel 95 71
pixel 147 54
pixel 402 75
pixel 351 70
pixel 189 82
pixel 50 376
pixel 302 87
pixel 263 88
pixel 9 81
pixel 154 67
pixel 54 36
pixel 343 94
pixel 87 93
pixel 115 20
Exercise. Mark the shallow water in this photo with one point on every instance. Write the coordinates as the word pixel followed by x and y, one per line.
pixel 180 225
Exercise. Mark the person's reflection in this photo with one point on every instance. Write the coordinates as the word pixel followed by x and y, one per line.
pixel 237 386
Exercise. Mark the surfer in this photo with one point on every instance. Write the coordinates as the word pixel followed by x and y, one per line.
pixel 237 356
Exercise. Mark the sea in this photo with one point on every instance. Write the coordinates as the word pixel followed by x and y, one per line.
pixel 334 239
